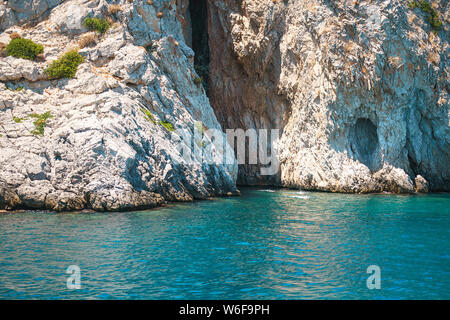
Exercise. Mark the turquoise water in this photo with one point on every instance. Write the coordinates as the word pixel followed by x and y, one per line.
pixel 267 244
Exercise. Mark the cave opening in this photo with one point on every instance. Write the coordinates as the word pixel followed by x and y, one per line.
pixel 199 18
pixel 364 143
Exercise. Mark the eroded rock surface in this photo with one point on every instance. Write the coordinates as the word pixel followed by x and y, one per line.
pixel 100 149
pixel 359 88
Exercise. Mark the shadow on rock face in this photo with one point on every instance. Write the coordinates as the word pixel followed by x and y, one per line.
pixel 364 143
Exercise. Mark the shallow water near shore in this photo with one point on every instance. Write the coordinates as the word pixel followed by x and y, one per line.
pixel 266 244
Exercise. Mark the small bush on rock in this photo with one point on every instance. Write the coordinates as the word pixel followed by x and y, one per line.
pixel 40 122
pixel 66 66
pixel 100 25
pixel 24 48
pixel 18 120
pixel 148 116
pixel 431 15
pixel 167 125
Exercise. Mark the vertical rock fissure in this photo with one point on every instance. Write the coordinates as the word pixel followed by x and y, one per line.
pixel 199 15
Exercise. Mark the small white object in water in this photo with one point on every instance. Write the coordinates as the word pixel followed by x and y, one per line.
pixel 300 197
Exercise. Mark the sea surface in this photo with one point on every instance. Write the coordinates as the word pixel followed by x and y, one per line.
pixel 266 244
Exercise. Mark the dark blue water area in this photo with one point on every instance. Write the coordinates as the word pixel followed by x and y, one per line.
pixel 266 244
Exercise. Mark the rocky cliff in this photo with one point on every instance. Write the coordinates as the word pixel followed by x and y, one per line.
pixel 107 135
pixel 359 88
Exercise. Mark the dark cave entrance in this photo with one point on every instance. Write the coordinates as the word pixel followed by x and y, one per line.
pixel 364 143
pixel 199 17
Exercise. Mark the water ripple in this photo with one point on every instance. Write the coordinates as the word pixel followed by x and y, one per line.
pixel 267 244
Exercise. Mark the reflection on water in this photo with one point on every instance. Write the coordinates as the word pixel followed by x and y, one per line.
pixel 267 244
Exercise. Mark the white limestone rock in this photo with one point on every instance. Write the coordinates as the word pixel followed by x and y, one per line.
pixel 358 88
pixel 420 184
pixel 17 69
pixel 98 150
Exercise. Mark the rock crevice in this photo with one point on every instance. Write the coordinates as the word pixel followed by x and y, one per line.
pixel 104 146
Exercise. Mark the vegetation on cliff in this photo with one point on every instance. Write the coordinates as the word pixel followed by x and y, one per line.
pixel 40 122
pixel 167 125
pixel 100 25
pixel 66 66
pixel 24 48
pixel 431 15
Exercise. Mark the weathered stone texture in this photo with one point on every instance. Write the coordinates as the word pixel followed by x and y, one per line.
pixel 99 151
pixel 360 89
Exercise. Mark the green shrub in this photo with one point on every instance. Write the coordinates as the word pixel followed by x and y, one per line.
pixel 431 15
pixel 66 66
pixel 97 24
pixel 167 125
pixel 24 48
pixel 413 4
pixel 18 120
pixel 40 122
pixel 434 21
pixel 426 6
pixel 148 115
